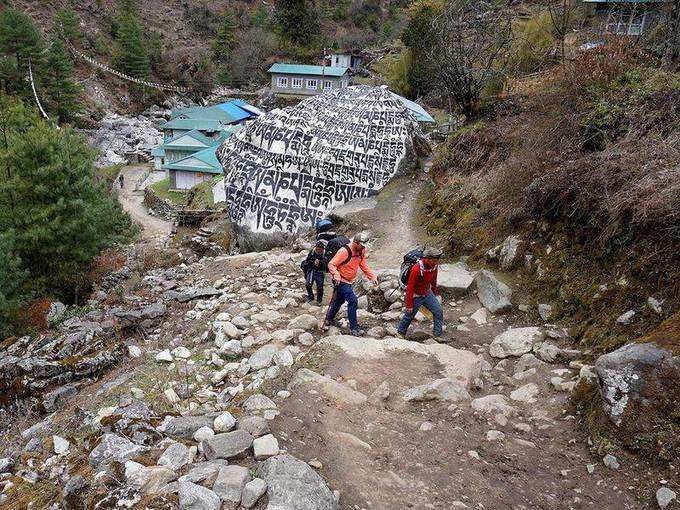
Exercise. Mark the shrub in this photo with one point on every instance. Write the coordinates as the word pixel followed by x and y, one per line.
pixel 533 43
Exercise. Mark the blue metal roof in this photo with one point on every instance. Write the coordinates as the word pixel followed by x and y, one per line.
pixel 306 69
pixel 234 111
pixel 417 110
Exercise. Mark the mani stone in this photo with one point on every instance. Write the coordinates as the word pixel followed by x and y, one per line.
pixel 312 134
pixel 294 485
pixel 197 497
pixel 227 445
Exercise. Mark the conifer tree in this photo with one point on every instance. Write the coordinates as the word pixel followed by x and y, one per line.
pixel 19 41
pixel 226 38
pixel 12 279
pixel 297 21
pixel 67 25
pixel 131 54
pixel 58 217
pixel 60 93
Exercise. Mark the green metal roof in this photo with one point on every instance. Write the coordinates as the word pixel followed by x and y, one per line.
pixel 208 162
pixel 306 69
pixel 158 151
pixel 191 124
pixel 418 111
pixel 194 134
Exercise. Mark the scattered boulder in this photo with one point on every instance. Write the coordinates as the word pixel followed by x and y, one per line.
pixel 515 342
pixel 186 426
pixel 113 447
pixel 252 492
pixel 256 426
pixel 293 484
pixel 455 278
pixel 526 393
pixel 304 321
pixel 492 293
pixel 230 483
pixel 148 479
pixel 265 447
pixel 258 403
pixel 440 389
pixel 493 404
pixel 263 357
pixel 664 497
pixel 197 497
pixel 545 311
pixel 224 422
pixel 330 388
pixel 227 445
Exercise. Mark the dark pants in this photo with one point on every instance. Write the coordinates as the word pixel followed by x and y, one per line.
pixel 344 293
pixel 312 277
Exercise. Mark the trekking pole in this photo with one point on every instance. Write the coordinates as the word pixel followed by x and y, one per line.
pixel 330 303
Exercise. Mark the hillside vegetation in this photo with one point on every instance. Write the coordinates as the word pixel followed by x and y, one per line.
pixel 585 167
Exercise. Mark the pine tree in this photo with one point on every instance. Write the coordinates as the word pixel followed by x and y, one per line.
pixel 60 93
pixel 12 280
pixel 297 21
pixel 226 38
pixel 131 55
pixel 59 217
pixel 19 41
pixel 67 25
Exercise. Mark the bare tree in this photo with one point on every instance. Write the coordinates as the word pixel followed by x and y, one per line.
pixel 561 21
pixel 470 52
pixel 672 53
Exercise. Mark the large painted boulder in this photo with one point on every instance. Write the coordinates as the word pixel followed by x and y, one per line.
pixel 292 165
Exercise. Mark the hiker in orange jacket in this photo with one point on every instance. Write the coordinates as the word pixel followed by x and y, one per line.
pixel 343 268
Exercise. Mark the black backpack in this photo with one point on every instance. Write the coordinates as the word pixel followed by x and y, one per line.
pixel 333 246
pixel 410 260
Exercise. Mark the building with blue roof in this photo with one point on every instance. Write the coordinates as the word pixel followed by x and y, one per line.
pixel 192 134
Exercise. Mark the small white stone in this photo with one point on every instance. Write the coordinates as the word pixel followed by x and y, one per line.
pixel 164 355
pixel 171 396
pixel 265 447
pixel 664 497
pixel 495 435
pixel 426 426
pixel 181 352
pixel 611 461
pixel 203 433
pixel 224 422
pixel 61 445
pixel 134 351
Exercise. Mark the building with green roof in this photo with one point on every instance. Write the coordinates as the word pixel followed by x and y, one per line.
pixel 307 80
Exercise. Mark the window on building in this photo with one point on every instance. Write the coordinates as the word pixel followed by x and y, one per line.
pixel 626 20
pixel 296 83
pixel 312 84
pixel 327 85
pixel 282 82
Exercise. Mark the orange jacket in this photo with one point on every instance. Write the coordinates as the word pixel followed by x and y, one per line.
pixel 347 271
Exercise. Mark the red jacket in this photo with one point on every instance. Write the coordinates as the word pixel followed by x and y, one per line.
pixel 420 281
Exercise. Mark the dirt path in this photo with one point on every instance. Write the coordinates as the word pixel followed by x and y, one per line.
pixel 131 199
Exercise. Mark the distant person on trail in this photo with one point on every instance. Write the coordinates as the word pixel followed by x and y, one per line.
pixel 121 180
pixel 421 290
pixel 343 268
pixel 314 267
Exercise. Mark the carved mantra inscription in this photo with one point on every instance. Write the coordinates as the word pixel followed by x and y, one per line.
pixel 292 165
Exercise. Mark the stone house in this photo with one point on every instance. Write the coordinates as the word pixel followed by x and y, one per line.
pixel 349 59
pixel 307 80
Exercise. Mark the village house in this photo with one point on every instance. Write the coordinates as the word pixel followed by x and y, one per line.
pixel 626 17
pixel 307 80
pixel 346 58
pixel 191 137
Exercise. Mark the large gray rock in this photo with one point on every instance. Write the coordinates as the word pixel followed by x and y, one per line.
pixel 113 447
pixel 148 479
pixel 227 445
pixel 639 384
pixel 185 426
pixel 252 492
pixel 328 387
pixel 263 357
pixel 515 342
pixel 455 278
pixel 492 293
pixel 203 471
pixel 256 426
pixel 304 321
pixel 440 389
pixel 176 456
pixel 197 497
pixel 294 485
pixel 258 403
pixel 319 132
pixel 230 483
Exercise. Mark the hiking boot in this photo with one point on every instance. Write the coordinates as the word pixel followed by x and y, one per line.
pixel 327 325
pixel 401 335
pixel 357 332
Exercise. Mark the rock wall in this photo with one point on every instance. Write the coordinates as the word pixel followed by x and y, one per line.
pixel 292 165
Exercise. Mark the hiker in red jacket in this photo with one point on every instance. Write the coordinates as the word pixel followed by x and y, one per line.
pixel 421 290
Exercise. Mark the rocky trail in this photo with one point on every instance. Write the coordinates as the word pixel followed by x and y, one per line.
pixel 131 198
pixel 208 386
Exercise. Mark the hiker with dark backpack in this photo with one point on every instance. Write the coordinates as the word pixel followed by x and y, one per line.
pixel 419 276
pixel 343 267
pixel 324 230
pixel 313 267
